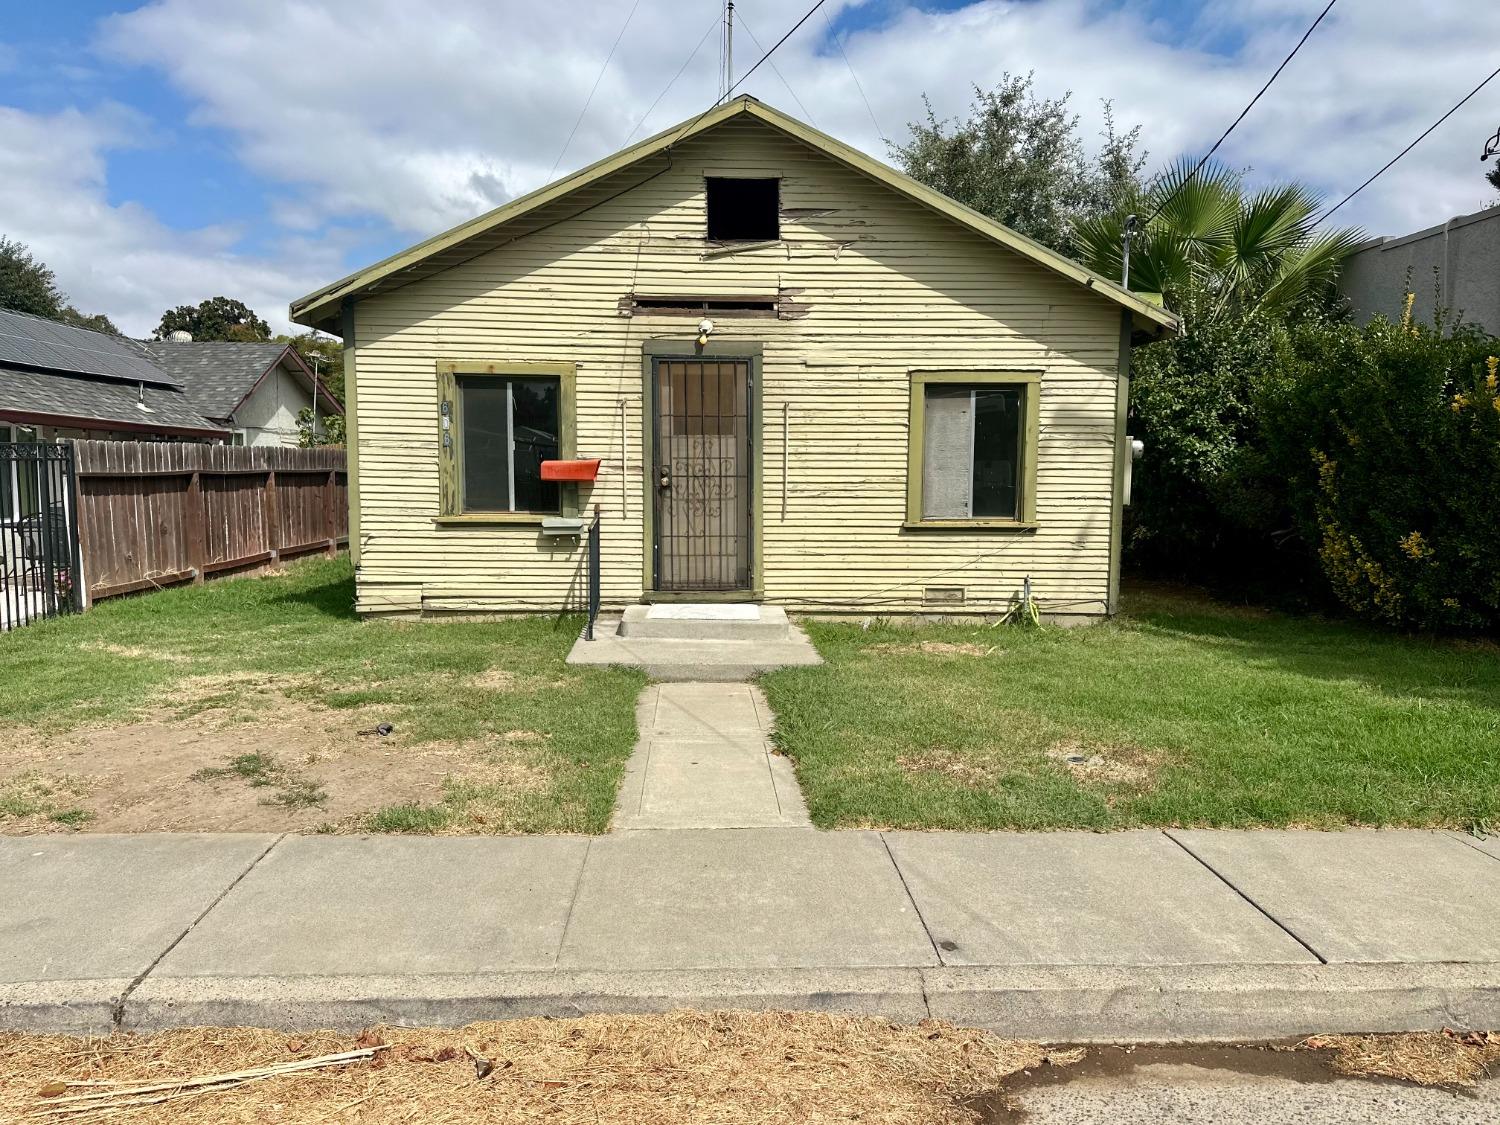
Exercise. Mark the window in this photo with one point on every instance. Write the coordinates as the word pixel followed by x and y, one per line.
pixel 973 449
pixel 498 423
pixel 743 210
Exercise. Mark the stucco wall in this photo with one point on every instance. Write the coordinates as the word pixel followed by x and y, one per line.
pixel 1464 252
pixel 269 415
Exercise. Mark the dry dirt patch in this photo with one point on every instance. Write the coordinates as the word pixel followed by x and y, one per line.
pixel 238 755
pixel 962 768
pixel 1132 766
pixel 933 648
pixel 733 1068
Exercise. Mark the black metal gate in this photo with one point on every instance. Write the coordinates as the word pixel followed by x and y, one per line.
pixel 39 556
pixel 701 441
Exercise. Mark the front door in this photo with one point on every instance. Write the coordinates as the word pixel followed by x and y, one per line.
pixel 702 485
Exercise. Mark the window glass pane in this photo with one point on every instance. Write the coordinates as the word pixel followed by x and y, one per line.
pixel 485 445
pixel 997 452
pixel 535 430
pixel 947 453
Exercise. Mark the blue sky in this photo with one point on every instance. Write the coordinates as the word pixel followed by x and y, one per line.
pixel 162 152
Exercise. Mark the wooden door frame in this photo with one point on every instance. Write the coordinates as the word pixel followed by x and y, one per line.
pixel 748 352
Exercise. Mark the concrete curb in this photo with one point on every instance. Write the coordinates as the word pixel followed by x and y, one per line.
pixel 1194 1003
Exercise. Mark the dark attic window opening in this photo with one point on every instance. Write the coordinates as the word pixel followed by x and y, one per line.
pixel 743 210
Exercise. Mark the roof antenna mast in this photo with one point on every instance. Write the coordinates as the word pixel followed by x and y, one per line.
pixel 726 54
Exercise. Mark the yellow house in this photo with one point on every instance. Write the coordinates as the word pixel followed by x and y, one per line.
pixel 809 381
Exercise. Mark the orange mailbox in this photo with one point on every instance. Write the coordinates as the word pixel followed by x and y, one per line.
pixel 570 470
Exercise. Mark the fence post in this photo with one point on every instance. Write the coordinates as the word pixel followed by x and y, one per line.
pixel 195 530
pixel 80 589
pixel 329 489
pixel 273 517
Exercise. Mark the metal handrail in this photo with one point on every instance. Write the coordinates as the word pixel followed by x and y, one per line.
pixel 593 565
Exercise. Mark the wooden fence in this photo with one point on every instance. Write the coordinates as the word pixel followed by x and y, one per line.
pixel 159 513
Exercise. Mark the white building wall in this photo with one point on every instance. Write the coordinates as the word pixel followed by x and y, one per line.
pixel 269 415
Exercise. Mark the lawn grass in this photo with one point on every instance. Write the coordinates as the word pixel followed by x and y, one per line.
pixel 1180 712
pixel 437 681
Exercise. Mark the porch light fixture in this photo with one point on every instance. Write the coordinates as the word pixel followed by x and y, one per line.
pixel 705 330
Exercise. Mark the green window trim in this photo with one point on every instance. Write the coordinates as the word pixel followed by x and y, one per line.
pixel 450 430
pixel 1029 383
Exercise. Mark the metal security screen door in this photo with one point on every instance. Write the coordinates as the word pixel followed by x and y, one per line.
pixel 701 444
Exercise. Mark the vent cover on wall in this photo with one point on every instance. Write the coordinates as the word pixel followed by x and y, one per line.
pixel 943 595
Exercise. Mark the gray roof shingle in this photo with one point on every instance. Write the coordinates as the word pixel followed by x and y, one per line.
pixel 78 396
pixel 217 374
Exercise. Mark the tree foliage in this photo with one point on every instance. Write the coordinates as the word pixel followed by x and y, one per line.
pixel 325 354
pixel 1217 251
pixel 28 285
pixel 330 430
pixel 218 318
pixel 1018 159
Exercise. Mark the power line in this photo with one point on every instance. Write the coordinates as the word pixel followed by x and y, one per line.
pixel 687 62
pixel 792 31
pixel 776 70
pixel 1408 148
pixel 592 90
pixel 832 34
pixel 1276 74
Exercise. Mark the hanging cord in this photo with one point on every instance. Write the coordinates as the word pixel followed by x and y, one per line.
pixel 1408 148
pixel 593 90
pixel 1276 74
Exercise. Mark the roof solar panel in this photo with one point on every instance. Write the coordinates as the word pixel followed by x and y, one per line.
pixel 30 341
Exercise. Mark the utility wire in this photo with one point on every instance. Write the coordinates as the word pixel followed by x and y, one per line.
pixel 745 24
pixel 592 90
pixel 793 30
pixel 687 62
pixel 879 132
pixel 1276 74
pixel 1408 148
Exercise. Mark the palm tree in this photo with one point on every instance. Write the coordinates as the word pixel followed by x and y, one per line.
pixel 1212 250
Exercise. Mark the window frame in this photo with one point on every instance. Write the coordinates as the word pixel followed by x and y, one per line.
pixel 1029 383
pixel 450 435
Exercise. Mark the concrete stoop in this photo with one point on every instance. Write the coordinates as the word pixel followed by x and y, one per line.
pixel 704 643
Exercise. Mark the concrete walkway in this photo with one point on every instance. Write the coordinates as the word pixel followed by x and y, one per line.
pixel 704 760
pixel 1064 936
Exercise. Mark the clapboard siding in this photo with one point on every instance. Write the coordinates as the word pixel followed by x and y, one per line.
pixel 888 286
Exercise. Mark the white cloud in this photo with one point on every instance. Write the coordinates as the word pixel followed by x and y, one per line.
pixel 120 259
pixel 421 115
pixel 427 115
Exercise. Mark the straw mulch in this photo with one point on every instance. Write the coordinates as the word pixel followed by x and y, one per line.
pixel 723 1067
pixel 1428 1058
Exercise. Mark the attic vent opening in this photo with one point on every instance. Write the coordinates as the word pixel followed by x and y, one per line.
pixel 698 306
pixel 743 210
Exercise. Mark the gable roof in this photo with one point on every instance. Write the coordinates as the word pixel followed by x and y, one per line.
pixel 83 401
pixel 320 309
pixel 219 375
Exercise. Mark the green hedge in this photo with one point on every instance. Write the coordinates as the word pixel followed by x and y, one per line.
pixel 1387 439
pixel 1326 461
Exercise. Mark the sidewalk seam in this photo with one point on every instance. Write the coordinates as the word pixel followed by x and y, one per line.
pixel 1467 841
pixel 911 898
pixel 117 1013
pixel 562 938
pixel 1264 913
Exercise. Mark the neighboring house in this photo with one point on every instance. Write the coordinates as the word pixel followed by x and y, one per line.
pixel 1456 264
pixel 891 405
pixel 255 391
pixel 58 381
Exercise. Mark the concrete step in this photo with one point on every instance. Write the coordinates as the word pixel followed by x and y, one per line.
pixel 667 660
pixel 737 621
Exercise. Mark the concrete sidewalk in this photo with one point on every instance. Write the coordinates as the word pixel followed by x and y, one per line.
pixel 1145 935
